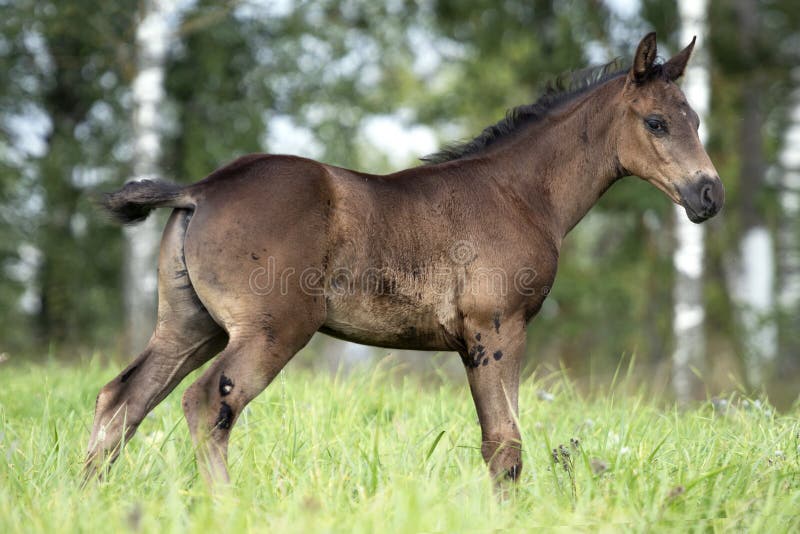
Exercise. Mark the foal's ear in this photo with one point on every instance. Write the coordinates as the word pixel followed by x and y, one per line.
pixel 674 67
pixel 645 56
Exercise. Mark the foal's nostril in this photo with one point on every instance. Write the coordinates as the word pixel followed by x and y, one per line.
pixel 706 197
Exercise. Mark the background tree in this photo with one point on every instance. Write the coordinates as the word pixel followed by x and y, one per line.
pixel 782 54
pixel 153 37
pixel 689 305
pixel 789 229
pixel 349 83
pixel 754 268
pixel 65 63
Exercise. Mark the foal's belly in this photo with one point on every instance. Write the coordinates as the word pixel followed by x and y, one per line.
pixel 395 321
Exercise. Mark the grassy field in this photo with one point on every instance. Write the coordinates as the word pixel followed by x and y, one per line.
pixel 377 451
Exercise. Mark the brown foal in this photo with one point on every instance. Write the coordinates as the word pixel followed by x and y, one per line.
pixel 457 254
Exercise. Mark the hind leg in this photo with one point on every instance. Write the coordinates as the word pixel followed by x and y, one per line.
pixel 185 337
pixel 125 401
pixel 252 359
pixel 242 239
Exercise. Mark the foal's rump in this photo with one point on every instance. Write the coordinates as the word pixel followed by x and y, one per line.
pixel 257 241
pixel 252 229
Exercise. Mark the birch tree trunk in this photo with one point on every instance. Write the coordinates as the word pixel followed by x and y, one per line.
pixel 789 229
pixel 689 309
pixel 152 38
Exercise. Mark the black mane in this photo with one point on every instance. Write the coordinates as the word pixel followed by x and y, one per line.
pixel 563 89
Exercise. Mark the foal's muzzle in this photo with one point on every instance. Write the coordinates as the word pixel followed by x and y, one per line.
pixel 702 198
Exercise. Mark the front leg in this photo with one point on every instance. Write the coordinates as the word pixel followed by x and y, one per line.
pixel 495 347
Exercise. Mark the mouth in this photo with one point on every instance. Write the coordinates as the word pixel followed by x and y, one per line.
pixel 693 215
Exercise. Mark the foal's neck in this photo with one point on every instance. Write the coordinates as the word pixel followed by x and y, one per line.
pixel 566 161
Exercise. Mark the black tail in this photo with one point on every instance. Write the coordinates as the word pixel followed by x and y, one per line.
pixel 133 203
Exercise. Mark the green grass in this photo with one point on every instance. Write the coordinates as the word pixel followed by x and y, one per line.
pixel 376 451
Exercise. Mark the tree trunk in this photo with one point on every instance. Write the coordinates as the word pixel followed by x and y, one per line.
pixel 689 309
pixel 152 38
pixel 789 230
pixel 752 282
pixel 753 277
pixel 66 106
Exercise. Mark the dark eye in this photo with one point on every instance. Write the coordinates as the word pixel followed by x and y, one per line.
pixel 656 125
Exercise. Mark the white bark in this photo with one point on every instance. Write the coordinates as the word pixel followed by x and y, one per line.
pixel 753 291
pixel 142 241
pixel 689 311
pixel 789 231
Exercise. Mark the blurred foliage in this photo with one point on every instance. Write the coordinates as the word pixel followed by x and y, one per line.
pixel 67 71
pixel 329 65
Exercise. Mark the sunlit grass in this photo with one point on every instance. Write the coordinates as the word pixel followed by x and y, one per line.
pixel 376 451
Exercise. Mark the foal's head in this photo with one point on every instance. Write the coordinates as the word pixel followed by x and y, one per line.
pixel 658 138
